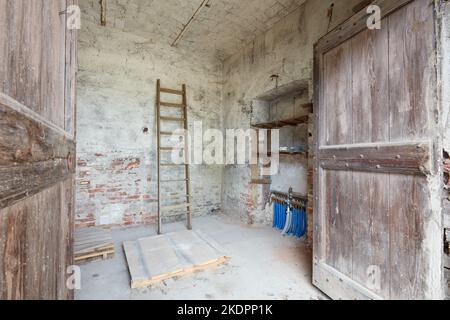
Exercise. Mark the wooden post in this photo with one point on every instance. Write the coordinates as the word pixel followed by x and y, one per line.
pixel 158 150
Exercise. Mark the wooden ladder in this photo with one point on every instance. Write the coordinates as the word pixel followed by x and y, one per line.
pixel 161 149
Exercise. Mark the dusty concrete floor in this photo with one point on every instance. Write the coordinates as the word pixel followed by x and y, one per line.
pixel 263 265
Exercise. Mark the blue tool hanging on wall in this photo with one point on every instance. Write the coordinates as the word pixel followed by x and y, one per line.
pixel 289 215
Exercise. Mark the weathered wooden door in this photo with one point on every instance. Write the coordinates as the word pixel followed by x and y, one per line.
pixel 377 206
pixel 37 148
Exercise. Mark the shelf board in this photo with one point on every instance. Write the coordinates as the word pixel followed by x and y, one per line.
pixel 261 181
pixel 292 122
pixel 289 90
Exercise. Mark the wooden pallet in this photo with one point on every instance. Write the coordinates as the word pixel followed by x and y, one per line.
pixel 159 258
pixel 93 243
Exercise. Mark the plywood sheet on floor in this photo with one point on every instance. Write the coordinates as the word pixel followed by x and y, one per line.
pixel 166 256
pixel 93 243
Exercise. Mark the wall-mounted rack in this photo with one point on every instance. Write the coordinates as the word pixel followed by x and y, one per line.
pixel 299 200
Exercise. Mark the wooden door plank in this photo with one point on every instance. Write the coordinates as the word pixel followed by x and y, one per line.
pixel 34 258
pixel 370 85
pixel 413 102
pixel 36 153
pixel 411 76
pixel 339 221
pixel 371 232
pixel 66 238
pixel 194 250
pixel 337 100
pixel 33 156
pixel 356 24
pixel 407 210
pixel 370 193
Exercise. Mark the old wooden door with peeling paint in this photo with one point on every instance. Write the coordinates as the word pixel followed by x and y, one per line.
pixel 37 148
pixel 376 233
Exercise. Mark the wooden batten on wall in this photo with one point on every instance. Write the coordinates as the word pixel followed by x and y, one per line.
pixel 103 9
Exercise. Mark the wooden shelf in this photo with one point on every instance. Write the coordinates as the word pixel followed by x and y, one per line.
pixel 289 90
pixel 292 122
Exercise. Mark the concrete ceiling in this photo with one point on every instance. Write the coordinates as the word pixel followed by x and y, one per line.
pixel 220 29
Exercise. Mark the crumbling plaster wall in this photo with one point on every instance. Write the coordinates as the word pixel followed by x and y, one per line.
pixel 116 178
pixel 287 51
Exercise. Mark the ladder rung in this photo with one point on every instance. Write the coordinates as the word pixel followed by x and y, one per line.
pixel 170 148
pixel 176 206
pixel 182 180
pixel 172 119
pixel 171 105
pixel 174 215
pixel 171 91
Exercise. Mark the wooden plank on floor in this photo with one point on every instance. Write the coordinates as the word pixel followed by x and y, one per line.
pixel 90 243
pixel 154 259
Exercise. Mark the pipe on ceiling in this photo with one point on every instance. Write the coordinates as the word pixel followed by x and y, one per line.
pixel 188 24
